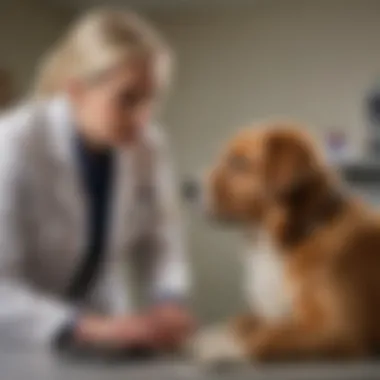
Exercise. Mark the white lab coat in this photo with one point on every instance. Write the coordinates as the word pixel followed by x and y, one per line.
pixel 43 224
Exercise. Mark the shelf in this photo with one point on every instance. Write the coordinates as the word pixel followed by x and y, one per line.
pixel 361 173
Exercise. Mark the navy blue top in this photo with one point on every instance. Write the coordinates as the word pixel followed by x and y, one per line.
pixel 96 170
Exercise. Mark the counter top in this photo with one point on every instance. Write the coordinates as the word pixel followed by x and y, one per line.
pixel 29 365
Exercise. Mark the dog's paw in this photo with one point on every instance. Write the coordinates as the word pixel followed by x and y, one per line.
pixel 217 346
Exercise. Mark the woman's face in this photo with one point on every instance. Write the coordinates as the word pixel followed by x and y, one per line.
pixel 113 109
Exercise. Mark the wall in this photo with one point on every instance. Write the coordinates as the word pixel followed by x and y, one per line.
pixel 309 60
pixel 27 29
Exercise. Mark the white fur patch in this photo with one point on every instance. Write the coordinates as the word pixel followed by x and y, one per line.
pixel 217 345
pixel 264 280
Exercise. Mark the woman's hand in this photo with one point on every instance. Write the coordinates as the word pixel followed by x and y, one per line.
pixel 115 333
pixel 173 325
pixel 165 328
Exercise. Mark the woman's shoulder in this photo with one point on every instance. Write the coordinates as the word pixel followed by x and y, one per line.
pixel 22 126
pixel 30 118
pixel 21 118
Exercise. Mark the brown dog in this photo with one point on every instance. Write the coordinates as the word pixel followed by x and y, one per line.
pixel 319 296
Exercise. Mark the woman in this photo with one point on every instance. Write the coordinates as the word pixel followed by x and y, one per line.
pixel 84 181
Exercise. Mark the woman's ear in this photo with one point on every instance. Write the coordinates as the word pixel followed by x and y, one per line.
pixel 291 165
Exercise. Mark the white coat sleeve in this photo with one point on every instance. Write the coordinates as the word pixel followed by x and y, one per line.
pixel 171 278
pixel 27 316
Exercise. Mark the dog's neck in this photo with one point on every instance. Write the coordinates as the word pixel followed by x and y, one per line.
pixel 292 221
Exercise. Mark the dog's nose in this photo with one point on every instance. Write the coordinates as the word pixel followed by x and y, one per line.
pixel 191 190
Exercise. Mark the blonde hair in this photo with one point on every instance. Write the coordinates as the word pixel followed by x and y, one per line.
pixel 99 41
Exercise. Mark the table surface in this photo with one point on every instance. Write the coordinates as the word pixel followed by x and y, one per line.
pixel 28 365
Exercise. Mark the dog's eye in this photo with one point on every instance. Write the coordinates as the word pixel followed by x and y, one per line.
pixel 238 163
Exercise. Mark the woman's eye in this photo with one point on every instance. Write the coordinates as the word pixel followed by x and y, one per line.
pixel 239 163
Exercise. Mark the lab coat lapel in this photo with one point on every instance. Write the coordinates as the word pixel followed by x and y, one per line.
pixel 69 189
pixel 120 227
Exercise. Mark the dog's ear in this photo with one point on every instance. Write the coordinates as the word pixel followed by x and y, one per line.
pixel 292 165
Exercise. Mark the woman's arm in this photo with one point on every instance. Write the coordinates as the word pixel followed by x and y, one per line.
pixel 26 315
pixel 171 279
pixel 170 287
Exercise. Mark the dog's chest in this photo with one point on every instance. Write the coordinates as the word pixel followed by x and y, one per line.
pixel 266 289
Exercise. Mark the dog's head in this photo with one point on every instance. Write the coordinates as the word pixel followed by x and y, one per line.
pixel 260 167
